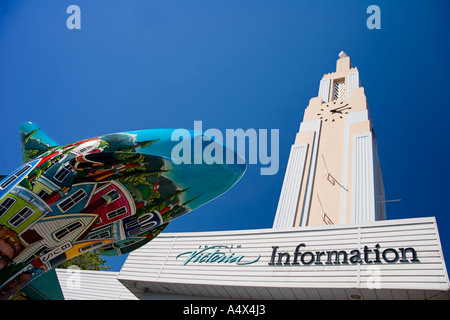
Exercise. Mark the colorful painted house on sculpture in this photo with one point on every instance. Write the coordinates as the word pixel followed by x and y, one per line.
pixel 112 202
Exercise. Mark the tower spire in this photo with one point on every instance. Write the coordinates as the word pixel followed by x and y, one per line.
pixel 343 63
pixel 333 170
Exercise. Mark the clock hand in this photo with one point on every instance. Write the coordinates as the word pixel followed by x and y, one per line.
pixel 335 109
pixel 339 111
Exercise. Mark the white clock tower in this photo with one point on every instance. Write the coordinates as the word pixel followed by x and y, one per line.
pixel 333 174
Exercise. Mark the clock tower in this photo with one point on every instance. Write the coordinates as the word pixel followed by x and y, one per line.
pixel 333 174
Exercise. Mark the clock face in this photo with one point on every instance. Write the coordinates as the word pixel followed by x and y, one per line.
pixel 333 111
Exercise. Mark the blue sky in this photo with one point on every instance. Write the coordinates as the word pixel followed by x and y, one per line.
pixel 143 64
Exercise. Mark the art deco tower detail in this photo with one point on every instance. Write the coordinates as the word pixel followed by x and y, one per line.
pixel 333 174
